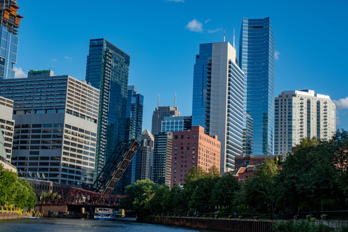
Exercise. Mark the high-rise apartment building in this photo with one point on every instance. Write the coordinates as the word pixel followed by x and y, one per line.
pixel 176 123
pixel 7 125
pixel 107 70
pixel 134 122
pixel 146 155
pixel 162 158
pixel 9 24
pixel 302 114
pixel 218 88
pixel 158 115
pixel 193 148
pixel 256 59
pixel 56 126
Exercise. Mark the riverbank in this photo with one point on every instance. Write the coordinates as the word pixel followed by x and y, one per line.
pixel 5 216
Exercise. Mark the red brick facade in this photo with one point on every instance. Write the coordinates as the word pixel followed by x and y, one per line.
pixel 193 148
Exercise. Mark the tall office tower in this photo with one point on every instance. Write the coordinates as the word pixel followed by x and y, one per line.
pixel 302 114
pixel 9 23
pixel 134 122
pixel 248 136
pixel 158 115
pixel 176 123
pixel 162 158
pixel 7 125
pixel 193 148
pixel 107 70
pixel 147 147
pixel 56 126
pixel 218 88
pixel 256 59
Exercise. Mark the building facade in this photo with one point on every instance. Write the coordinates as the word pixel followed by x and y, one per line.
pixel 134 122
pixel 223 95
pixel 7 125
pixel 162 158
pixel 56 126
pixel 146 155
pixel 256 59
pixel 302 114
pixel 107 70
pixel 158 115
pixel 176 123
pixel 9 24
pixel 193 148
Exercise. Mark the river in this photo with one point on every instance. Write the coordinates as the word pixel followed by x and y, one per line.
pixel 82 225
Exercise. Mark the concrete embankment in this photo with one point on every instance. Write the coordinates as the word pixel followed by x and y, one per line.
pixel 4 216
pixel 232 225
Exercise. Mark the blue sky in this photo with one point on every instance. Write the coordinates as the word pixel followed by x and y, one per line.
pixel 162 38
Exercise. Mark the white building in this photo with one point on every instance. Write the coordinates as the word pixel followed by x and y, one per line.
pixel 7 125
pixel 56 126
pixel 224 103
pixel 302 114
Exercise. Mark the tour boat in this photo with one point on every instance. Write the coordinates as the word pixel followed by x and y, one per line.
pixel 104 214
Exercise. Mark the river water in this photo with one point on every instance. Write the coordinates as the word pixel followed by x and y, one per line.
pixel 82 225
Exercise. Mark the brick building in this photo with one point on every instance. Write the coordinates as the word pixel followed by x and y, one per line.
pixel 193 148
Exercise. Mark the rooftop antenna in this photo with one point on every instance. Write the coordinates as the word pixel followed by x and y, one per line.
pixel 234 38
pixel 158 100
pixel 224 35
pixel 175 101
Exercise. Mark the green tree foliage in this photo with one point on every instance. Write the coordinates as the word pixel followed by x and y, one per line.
pixel 224 191
pixel 15 191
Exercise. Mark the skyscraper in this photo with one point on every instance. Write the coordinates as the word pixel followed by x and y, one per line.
pixel 219 90
pixel 176 123
pixel 56 126
pixel 134 122
pixel 147 147
pixel 256 59
pixel 107 70
pixel 9 24
pixel 162 158
pixel 302 114
pixel 7 125
pixel 158 115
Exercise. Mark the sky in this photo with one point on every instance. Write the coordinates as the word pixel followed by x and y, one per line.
pixel 162 38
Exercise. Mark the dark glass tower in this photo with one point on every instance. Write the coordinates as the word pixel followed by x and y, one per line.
pixel 257 62
pixel 200 84
pixel 134 122
pixel 107 70
pixel 9 24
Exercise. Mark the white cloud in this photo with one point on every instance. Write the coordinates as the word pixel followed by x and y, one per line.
pixel 195 26
pixel 175 1
pixel 206 21
pixel 341 103
pixel 67 57
pixel 19 73
pixel 276 55
pixel 216 30
pixel 54 60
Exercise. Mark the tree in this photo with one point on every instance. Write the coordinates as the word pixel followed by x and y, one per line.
pixel 224 191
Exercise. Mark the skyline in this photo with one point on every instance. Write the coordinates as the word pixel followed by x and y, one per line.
pixel 165 42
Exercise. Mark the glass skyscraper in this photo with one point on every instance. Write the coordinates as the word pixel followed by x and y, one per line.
pixel 200 84
pixel 256 59
pixel 9 23
pixel 218 96
pixel 107 70
pixel 134 122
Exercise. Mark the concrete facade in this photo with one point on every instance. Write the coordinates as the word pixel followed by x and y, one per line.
pixel 146 155
pixel 56 128
pixel 302 114
pixel 193 148
pixel 7 125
